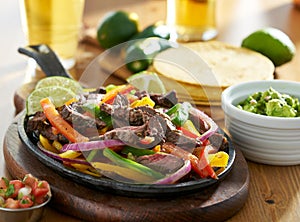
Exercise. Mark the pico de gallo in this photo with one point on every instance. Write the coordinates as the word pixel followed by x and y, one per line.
pixel 25 193
pixel 131 135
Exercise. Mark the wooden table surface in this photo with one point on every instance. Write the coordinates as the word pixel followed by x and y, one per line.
pixel 274 193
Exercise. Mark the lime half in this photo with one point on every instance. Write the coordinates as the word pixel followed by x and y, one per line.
pixel 272 43
pixel 60 81
pixel 59 95
pixel 147 81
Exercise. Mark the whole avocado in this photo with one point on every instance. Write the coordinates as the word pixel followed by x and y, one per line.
pixel 116 27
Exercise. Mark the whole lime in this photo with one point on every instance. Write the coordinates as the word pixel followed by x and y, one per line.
pixel 116 27
pixel 273 43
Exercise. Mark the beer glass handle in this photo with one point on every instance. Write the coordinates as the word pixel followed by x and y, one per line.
pixel 46 59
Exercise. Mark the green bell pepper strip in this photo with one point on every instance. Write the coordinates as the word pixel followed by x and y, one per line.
pixel 130 164
pixel 95 110
pixel 179 113
pixel 136 152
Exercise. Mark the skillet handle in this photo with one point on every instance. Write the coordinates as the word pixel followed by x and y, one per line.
pixel 46 59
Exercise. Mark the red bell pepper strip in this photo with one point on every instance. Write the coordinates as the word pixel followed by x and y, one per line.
pixel 187 132
pixel 199 165
pixel 111 95
pixel 207 170
pixel 59 123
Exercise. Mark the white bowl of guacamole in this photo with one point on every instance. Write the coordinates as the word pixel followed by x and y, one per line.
pixel 263 118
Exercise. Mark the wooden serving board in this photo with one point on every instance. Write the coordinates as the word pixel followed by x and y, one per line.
pixel 216 203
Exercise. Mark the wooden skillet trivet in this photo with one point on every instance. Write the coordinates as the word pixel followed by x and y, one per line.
pixel 216 203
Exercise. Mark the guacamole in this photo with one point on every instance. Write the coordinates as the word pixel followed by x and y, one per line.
pixel 271 103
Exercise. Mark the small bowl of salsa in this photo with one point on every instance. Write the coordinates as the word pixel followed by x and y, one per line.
pixel 23 200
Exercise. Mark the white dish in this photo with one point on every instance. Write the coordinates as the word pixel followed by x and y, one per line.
pixel 263 139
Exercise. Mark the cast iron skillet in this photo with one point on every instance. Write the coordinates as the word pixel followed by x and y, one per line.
pixel 119 188
pixel 50 64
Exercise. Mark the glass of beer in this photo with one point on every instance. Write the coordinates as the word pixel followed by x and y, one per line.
pixel 192 20
pixel 56 23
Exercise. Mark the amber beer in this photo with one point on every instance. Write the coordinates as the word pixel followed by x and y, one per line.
pixel 54 22
pixel 192 20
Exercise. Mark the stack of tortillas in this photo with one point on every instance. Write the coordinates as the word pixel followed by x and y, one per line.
pixel 200 71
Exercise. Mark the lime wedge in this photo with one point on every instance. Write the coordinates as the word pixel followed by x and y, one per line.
pixel 60 81
pixel 148 81
pixel 272 43
pixel 59 95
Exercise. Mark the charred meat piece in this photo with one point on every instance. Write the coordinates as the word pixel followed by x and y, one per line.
pixel 167 100
pixel 161 162
pixel 200 124
pixel 219 141
pixel 74 115
pixel 38 124
pixel 144 137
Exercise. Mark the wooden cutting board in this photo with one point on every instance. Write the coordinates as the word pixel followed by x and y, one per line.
pixel 216 203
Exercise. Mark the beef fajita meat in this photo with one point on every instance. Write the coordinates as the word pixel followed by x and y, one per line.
pixel 167 100
pixel 199 123
pixel 145 136
pixel 38 124
pixel 161 162
pixel 219 141
pixel 74 115
pixel 156 125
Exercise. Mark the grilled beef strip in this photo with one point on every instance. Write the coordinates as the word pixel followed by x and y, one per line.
pixel 38 124
pixel 161 162
pixel 74 115
pixel 156 125
pixel 167 100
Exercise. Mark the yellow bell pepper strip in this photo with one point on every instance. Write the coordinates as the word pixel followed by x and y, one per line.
pixel 46 144
pixel 59 123
pixel 70 154
pixel 111 95
pixel 110 169
pixel 219 159
pixel 179 113
pixel 130 164
pixel 199 165
pixel 57 145
pixel 143 102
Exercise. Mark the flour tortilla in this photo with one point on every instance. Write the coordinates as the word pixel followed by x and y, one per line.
pixel 205 69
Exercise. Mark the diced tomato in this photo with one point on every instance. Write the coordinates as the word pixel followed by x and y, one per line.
pixel 40 200
pixel 29 180
pixel 3 183
pixel 11 203
pixel 25 202
pixel 17 186
pixel 40 189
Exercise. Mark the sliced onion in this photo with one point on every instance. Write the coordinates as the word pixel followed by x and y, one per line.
pixel 172 178
pixel 57 157
pixel 91 145
pixel 213 127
